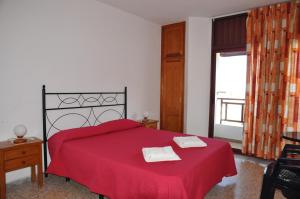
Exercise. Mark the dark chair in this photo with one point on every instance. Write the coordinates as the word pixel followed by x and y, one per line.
pixel 284 174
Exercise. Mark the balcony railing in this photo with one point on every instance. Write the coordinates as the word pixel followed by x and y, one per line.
pixel 224 102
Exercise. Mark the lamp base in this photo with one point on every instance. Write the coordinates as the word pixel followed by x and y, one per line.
pixel 20 140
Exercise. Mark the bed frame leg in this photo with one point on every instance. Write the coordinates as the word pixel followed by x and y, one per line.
pixel 67 179
pixel 101 196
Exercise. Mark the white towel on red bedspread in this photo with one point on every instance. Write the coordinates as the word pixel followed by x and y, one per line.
pixel 189 141
pixel 158 154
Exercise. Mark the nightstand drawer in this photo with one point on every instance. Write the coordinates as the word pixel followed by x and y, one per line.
pixel 20 162
pixel 151 125
pixel 17 153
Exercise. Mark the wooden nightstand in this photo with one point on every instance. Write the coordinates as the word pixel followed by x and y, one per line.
pixel 149 123
pixel 18 156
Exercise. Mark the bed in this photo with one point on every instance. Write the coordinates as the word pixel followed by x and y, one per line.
pixel 107 158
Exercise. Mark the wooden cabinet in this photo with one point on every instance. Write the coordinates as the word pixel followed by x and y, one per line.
pixel 149 123
pixel 173 40
pixel 172 77
pixel 18 156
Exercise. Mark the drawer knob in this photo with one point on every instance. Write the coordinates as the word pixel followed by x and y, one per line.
pixel 23 162
pixel 23 152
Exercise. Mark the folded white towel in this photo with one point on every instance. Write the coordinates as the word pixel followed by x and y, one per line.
pixel 158 154
pixel 189 141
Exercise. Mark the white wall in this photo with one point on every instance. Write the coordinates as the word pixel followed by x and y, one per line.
pixel 73 45
pixel 230 132
pixel 197 75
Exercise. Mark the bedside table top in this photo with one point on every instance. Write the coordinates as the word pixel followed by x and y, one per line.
pixel 8 144
pixel 148 121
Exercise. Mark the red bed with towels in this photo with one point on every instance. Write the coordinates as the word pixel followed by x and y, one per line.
pixel 108 159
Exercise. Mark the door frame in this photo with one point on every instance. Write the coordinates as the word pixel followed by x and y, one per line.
pixel 211 121
pixel 214 51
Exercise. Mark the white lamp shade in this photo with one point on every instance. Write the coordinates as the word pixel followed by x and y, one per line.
pixel 146 115
pixel 20 130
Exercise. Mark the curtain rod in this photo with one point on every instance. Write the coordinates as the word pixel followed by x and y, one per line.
pixel 231 14
pixel 246 11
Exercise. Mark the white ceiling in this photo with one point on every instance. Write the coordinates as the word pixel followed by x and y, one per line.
pixel 170 11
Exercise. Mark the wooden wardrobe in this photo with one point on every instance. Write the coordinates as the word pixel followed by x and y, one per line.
pixel 172 77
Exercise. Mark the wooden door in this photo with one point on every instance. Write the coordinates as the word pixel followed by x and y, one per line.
pixel 172 77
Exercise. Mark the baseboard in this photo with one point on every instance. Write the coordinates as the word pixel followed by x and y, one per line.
pixel 237 151
pixel 230 140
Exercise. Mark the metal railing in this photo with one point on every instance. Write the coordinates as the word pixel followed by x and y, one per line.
pixel 224 107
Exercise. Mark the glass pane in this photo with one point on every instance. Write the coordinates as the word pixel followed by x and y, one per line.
pixel 230 87
pixel 234 112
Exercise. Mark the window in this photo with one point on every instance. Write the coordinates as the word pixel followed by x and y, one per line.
pixel 230 88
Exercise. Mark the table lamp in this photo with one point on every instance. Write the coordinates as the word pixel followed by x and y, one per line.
pixel 146 115
pixel 20 131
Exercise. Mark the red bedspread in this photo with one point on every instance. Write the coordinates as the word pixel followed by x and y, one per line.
pixel 108 159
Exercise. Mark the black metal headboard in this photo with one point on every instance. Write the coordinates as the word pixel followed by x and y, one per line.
pixel 88 106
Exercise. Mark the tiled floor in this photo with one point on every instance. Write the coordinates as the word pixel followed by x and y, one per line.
pixel 246 185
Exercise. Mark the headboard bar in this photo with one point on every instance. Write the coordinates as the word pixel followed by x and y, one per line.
pixel 115 103
pixel 125 101
pixel 82 93
pixel 44 129
pixel 74 107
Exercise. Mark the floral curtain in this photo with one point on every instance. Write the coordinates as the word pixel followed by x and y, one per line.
pixel 273 78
